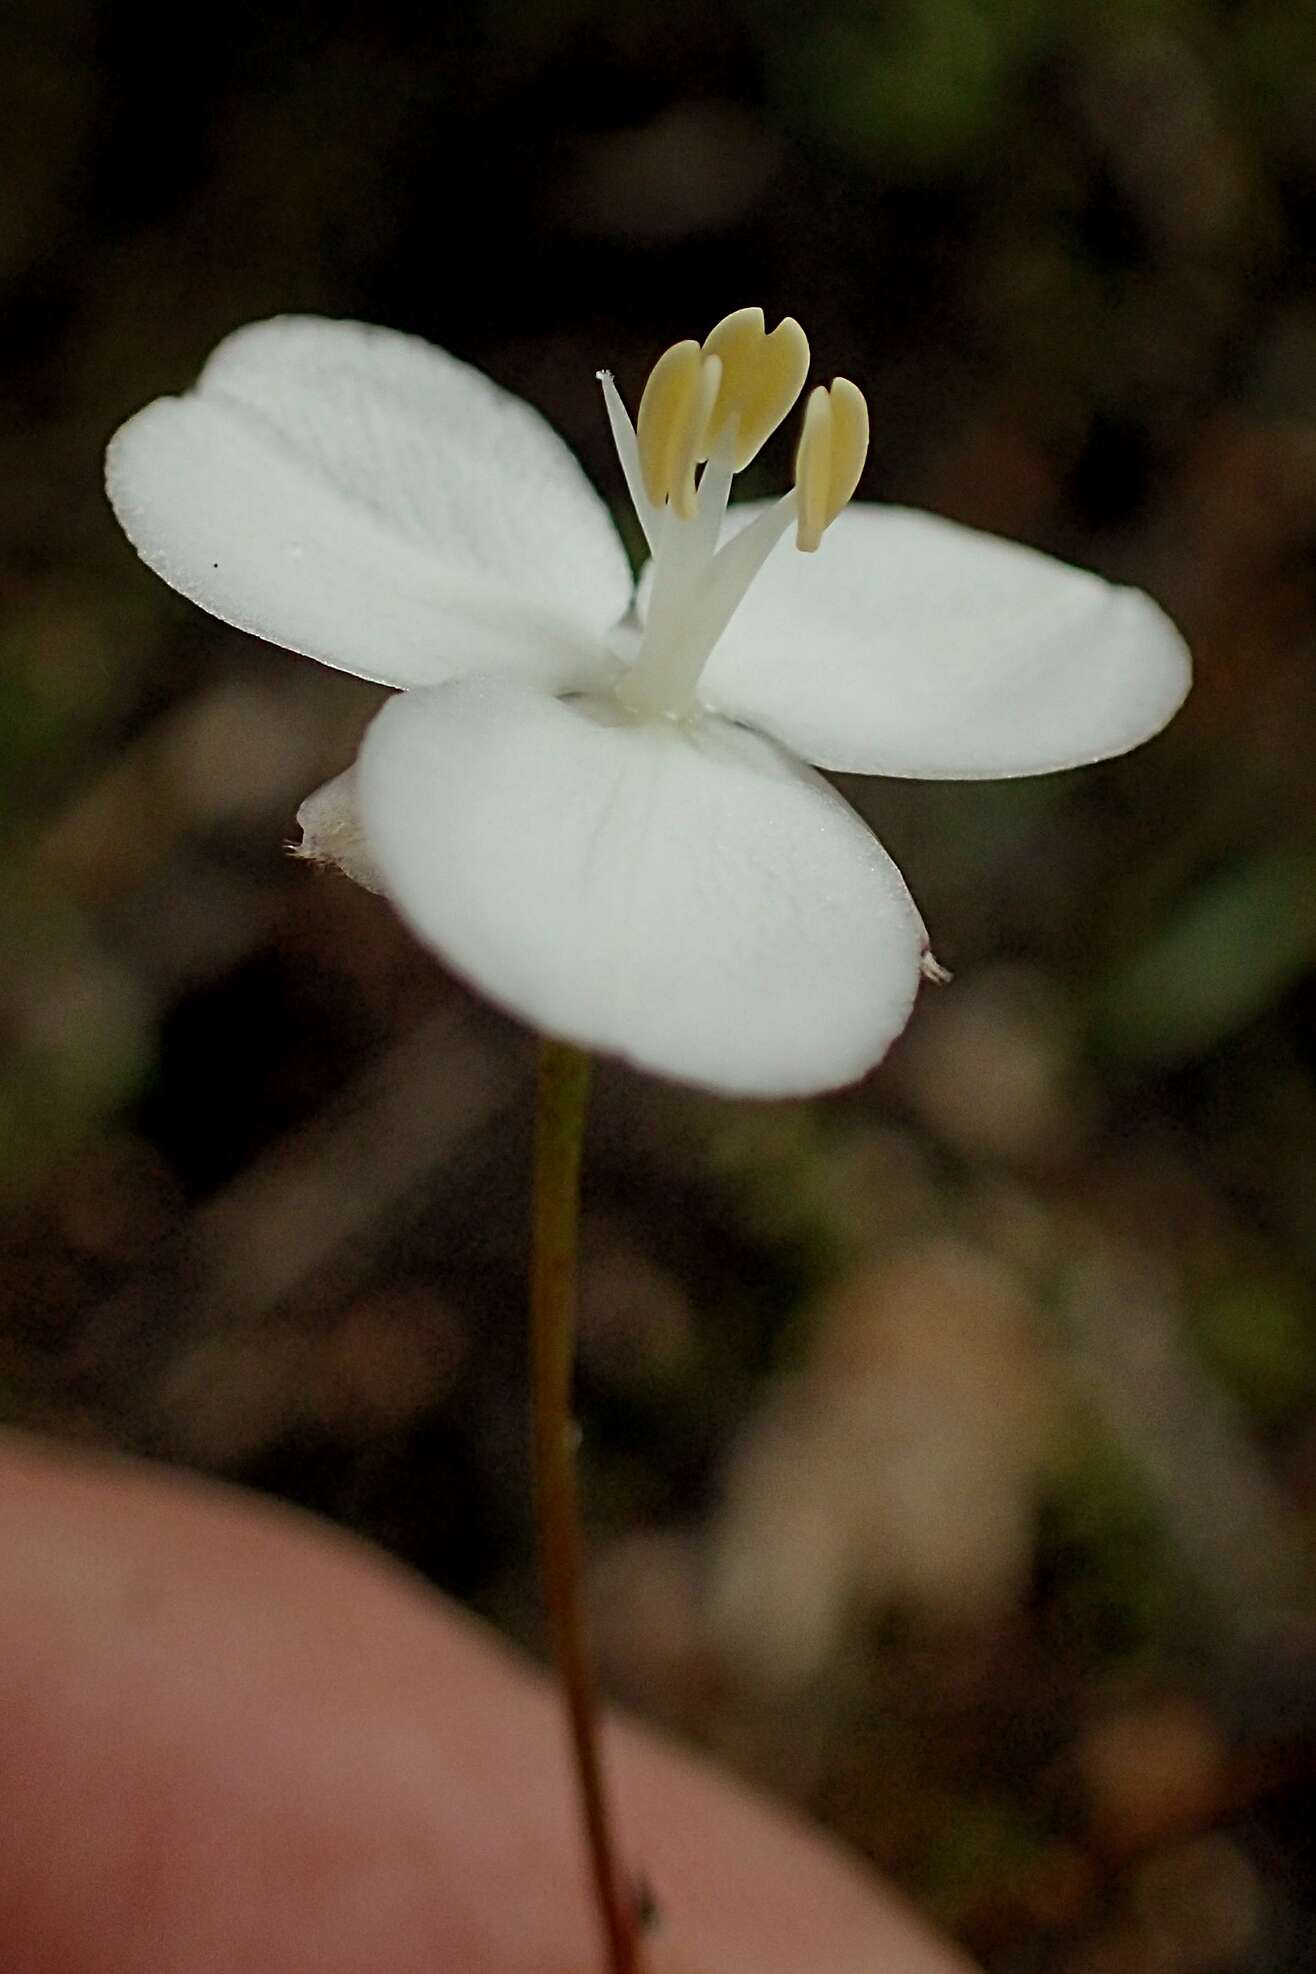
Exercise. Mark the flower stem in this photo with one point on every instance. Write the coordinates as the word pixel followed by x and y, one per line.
pixel 559 1136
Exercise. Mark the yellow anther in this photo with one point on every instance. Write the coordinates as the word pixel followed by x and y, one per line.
pixel 833 447
pixel 762 375
pixel 674 413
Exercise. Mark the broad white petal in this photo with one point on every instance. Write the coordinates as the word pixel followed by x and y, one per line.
pixel 910 646
pixel 366 499
pixel 695 901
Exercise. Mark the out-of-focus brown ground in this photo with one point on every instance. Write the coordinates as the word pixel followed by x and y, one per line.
pixel 952 1442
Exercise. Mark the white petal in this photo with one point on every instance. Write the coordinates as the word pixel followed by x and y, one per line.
pixel 364 498
pixel 696 902
pixel 909 646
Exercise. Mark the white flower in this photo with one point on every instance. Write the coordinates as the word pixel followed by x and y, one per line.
pixel 593 802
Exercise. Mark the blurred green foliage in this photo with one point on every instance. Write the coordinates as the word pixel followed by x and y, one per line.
pixel 1227 951
pixel 1117 1591
pixel 1259 1338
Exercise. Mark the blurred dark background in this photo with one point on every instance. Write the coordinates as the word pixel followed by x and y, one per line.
pixel 952 1442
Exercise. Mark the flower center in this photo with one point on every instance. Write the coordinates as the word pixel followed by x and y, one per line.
pixel 712 406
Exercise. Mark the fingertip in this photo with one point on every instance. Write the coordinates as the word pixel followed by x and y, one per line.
pixel 237 1738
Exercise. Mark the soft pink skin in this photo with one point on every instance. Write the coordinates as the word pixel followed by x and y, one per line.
pixel 233 1741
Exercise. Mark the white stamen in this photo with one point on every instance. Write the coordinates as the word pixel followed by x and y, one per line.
pixel 696 586
pixel 628 452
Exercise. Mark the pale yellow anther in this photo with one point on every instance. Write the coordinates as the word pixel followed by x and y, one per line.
pixel 833 447
pixel 762 376
pixel 674 412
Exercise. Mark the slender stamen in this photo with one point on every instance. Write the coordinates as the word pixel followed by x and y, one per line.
pixel 683 556
pixel 673 418
pixel 677 565
pixel 718 402
pixel 678 644
pixel 714 492
pixel 833 448
pixel 734 568
pixel 628 452
pixel 762 376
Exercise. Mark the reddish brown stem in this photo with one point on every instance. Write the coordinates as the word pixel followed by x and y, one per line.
pixel 559 1139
